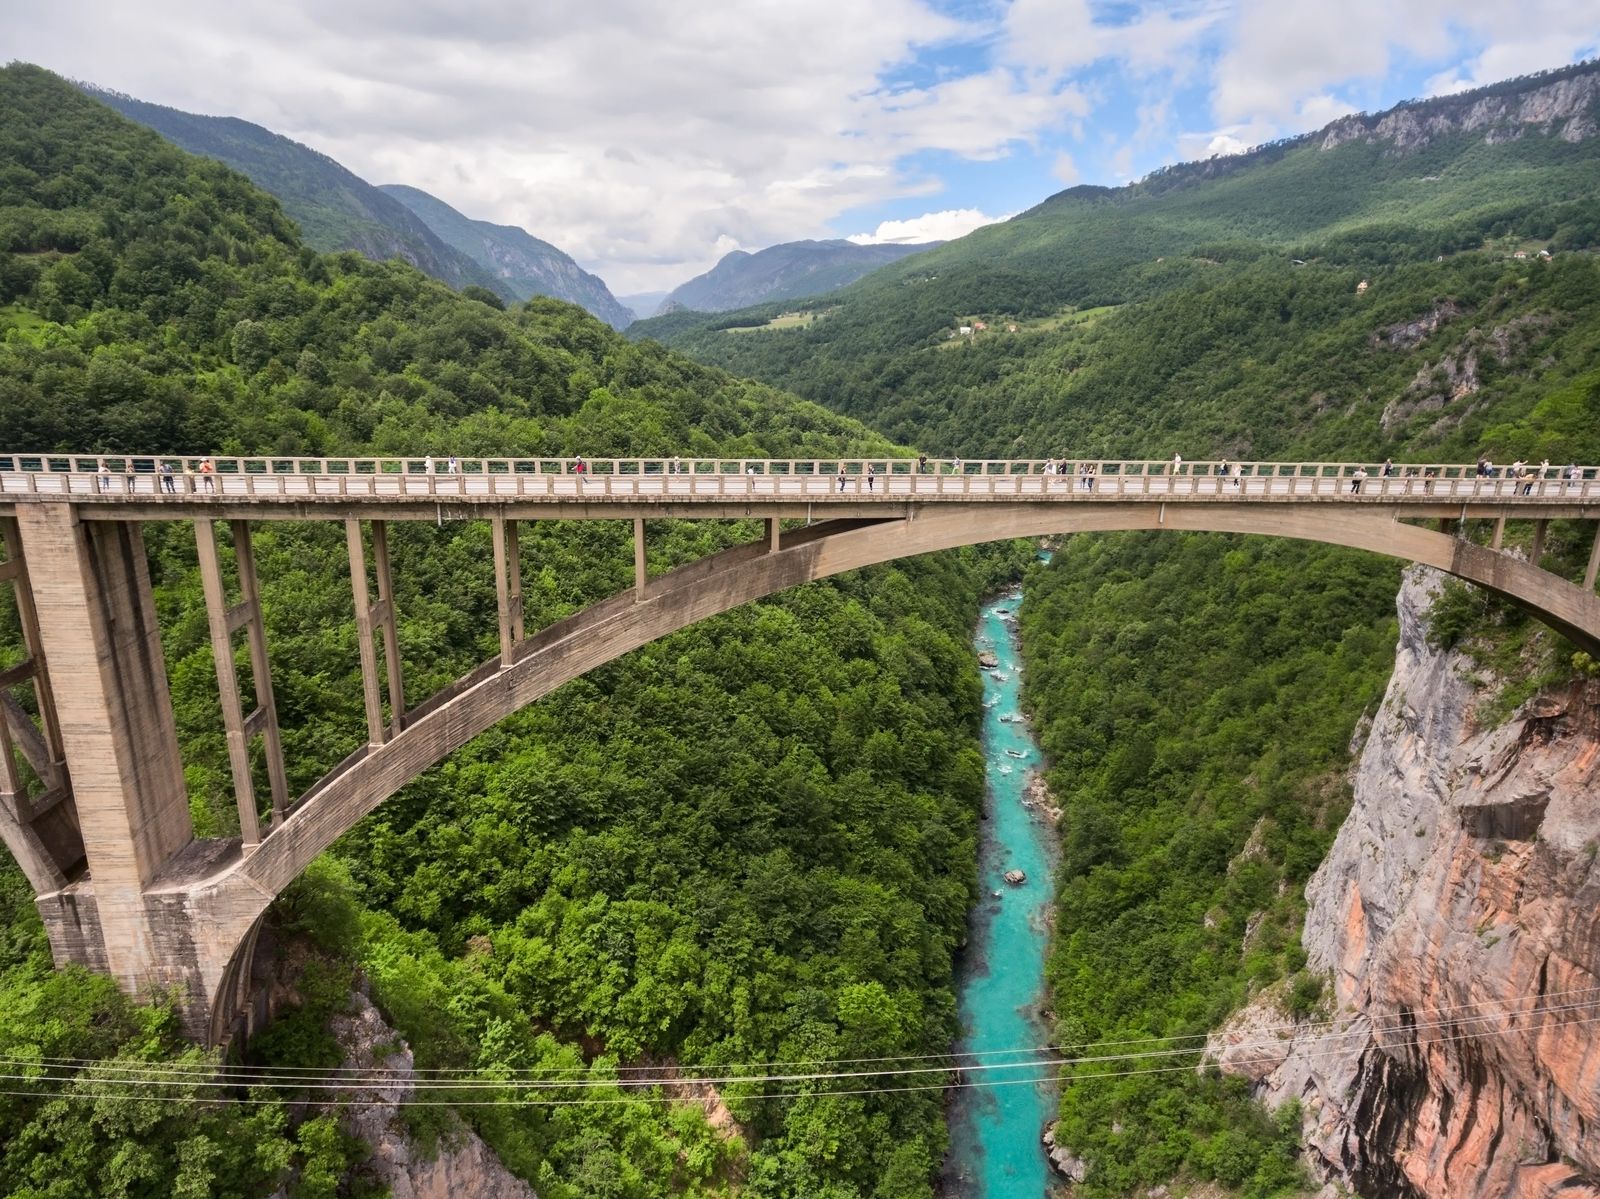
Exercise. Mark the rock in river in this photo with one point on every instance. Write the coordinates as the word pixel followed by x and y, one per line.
pixel 1016 877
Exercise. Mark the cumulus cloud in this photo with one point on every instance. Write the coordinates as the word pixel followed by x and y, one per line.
pixel 1065 169
pixel 930 226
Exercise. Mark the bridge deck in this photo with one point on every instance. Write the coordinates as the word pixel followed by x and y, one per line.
pixel 135 488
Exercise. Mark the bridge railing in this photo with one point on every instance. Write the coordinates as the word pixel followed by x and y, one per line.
pixel 174 476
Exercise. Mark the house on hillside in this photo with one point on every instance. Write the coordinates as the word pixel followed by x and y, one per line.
pixel 979 326
pixel 965 330
pixel 1011 328
pixel 1520 254
pixel 1544 255
pixel 1361 288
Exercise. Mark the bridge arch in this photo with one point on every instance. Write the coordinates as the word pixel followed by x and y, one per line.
pixel 230 901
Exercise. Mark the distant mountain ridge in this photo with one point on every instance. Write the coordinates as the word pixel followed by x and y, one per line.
pixel 335 208
pixel 784 272
pixel 338 210
pixel 518 261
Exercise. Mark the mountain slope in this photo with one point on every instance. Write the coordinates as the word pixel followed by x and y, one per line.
pixel 1214 307
pixel 335 208
pixel 784 272
pixel 519 262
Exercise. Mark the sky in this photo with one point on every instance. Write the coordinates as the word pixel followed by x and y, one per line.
pixel 647 139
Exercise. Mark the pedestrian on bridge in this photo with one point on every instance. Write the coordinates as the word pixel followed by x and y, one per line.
pixel 105 474
pixel 168 483
pixel 871 477
pixel 841 476
pixel 922 464
pixel 1357 479
pixel 208 474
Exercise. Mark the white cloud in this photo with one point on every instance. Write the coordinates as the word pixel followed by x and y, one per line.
pixel 1065 169
pixel 642 138
pixel 930 226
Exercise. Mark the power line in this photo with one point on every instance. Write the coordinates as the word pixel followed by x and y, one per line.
pixel 78 1095
pixel 124 1073
pixel 673 1074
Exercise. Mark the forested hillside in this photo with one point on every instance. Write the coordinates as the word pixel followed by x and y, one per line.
pixel 1373 290
pixel 751 842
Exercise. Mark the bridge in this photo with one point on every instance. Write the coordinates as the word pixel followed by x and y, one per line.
pixel 93 804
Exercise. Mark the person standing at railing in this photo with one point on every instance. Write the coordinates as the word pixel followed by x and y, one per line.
pixel 1574 475
pixel 105 474
pixel 922 464
pixel 1357 479
pixel 427 464
pixel 168 483
pixel 871 477
pixel 207 471
pixel 127 475
pixel 841 476
pixel 451 466
pixel 1177 463
pixel 581 469
pixel 955 466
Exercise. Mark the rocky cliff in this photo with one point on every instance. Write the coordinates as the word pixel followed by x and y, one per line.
pixel 1565 107
pixel 380 1061
pixel 1458 919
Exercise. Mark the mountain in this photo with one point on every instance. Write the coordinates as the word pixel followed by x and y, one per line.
pixel 518 262
pixel 1219 306
pixel 783 272
pixel 335 209
pixel 643 304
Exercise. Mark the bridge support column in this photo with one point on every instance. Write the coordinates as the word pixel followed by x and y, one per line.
pixel 1499 533
pixel 379 617
pixel 97 622
pixel 224 621
pixel 774 534
pixel 508 588
pixel 1537 550
pixel 641 573
pixel 1590 574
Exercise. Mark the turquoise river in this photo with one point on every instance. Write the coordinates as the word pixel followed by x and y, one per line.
pixel 995 1127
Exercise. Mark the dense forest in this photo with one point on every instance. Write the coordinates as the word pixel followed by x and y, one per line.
pixel 753 841
pixel 1199 696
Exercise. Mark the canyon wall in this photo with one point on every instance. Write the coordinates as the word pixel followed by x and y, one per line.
pixel 1457 917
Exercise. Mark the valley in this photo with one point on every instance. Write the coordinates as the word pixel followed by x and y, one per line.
pixel 727 915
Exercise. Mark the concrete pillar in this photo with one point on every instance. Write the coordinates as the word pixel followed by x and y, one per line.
pixel 97 621
pixel 507 587
pixel 1594 561
pixel 641 573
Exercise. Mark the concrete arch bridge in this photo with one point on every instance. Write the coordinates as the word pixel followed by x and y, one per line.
pixel 92 798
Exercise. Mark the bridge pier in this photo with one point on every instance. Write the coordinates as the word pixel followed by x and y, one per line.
pixel 97 623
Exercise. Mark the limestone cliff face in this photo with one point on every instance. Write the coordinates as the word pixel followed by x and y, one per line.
pixel 1458 916
pixel 1565 107
pixel 375 1054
